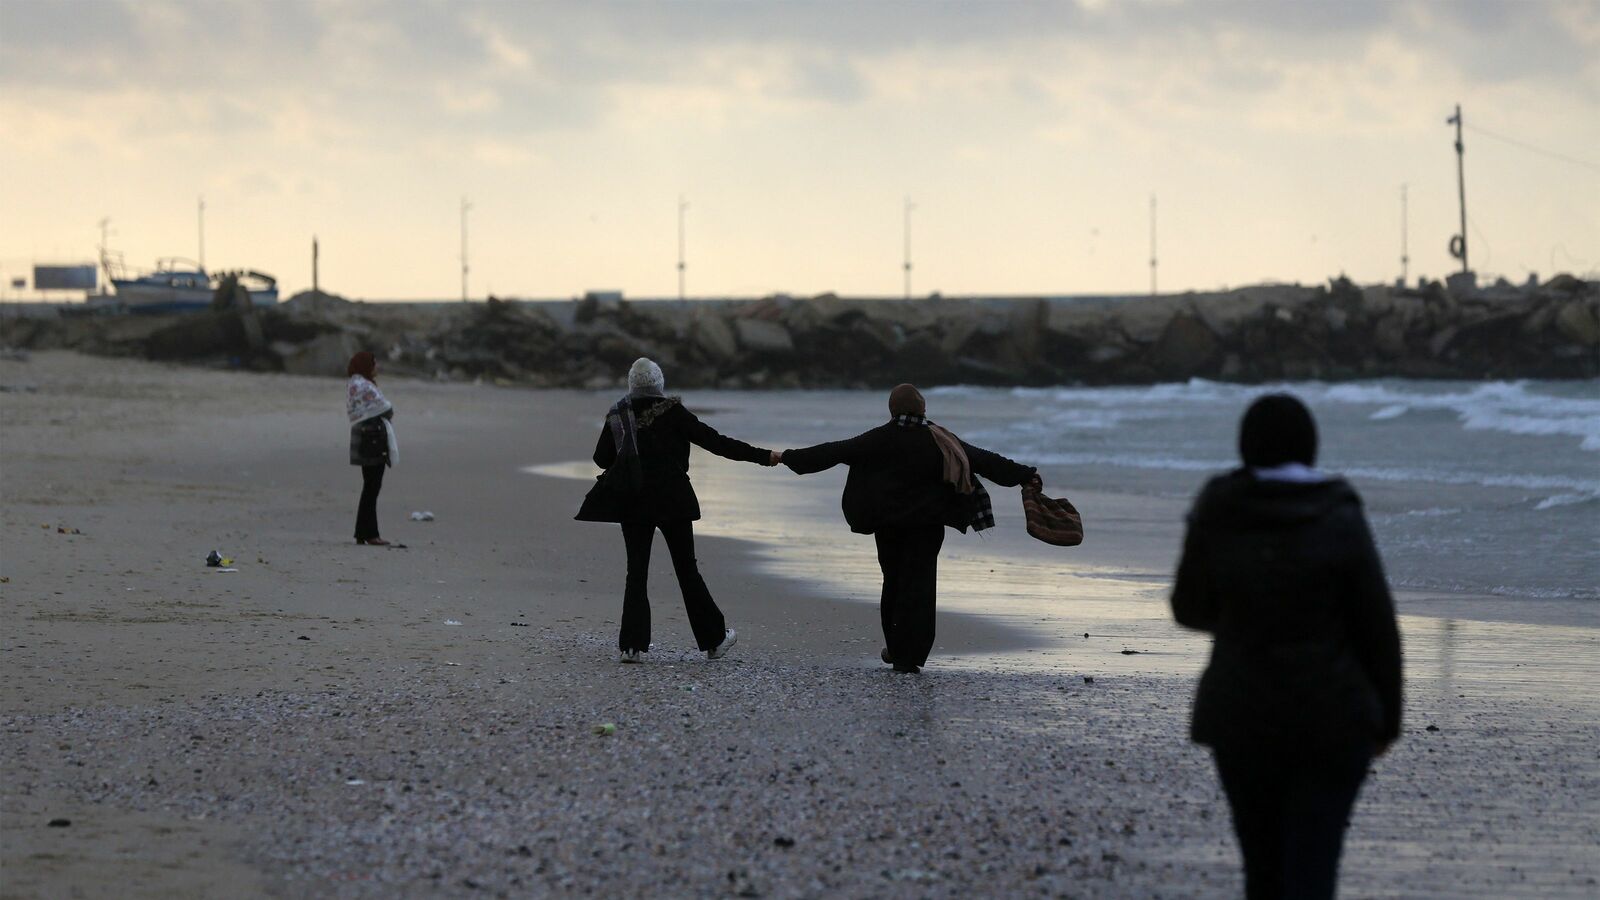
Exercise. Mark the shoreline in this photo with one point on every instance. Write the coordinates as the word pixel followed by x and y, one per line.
pixel 176 716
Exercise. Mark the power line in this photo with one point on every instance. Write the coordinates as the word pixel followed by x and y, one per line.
pixel 1595 167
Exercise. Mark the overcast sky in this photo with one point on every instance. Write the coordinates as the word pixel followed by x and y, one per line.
pixel 1030 137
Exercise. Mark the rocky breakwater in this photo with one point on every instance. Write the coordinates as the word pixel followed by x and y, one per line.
pixel 1264 333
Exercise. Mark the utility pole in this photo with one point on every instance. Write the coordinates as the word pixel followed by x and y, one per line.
pixel 907 266
pixel 1152 245
pixel 1405 256
pixel 202 233
pixel 464 207
pixel 316 287
pixel 683 207
pixel 1458 244
pixel 105 251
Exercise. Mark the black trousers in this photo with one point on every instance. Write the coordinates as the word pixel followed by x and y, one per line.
pixel 705 619
pixel 909 558
pixel 1290 813
pixel 367 509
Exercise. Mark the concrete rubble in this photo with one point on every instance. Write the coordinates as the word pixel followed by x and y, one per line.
pixel 1336 331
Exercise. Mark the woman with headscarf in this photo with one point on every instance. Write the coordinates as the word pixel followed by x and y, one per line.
pixel 1303 687
pixel 372 441
pixel 644 448
pixel 909 480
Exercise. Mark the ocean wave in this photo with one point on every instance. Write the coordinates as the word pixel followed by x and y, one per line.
pixel 1556 500
pixel 1506 407
pixel 1529 592
pixel 1579 490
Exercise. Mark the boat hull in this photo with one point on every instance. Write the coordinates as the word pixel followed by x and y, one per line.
pixel 149 299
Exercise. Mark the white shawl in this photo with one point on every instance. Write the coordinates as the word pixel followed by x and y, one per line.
pixel 363 400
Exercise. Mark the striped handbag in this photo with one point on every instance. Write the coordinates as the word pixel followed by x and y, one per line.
pixel 1050 520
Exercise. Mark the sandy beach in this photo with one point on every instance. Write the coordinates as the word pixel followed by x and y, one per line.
pixel 335 720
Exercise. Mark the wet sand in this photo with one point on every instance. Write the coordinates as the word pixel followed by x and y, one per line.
pixel 310 726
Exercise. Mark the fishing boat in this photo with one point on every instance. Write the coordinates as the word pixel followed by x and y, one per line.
pixel 175 285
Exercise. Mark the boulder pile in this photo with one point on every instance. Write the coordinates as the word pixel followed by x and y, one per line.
pixel 1336 331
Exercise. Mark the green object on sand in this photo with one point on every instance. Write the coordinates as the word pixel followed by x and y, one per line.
pixel 605 729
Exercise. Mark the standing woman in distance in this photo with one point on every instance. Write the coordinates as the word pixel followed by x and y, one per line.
pixel 372 441
pixel 644 448
pixel 1303 686
pixel 909 480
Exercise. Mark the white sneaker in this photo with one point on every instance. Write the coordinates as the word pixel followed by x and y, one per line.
pixel 630 656
pixel 730 638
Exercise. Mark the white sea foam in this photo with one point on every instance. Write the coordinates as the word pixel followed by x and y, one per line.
pixel 1506 407
pixel 1509 407
pixel 1565 500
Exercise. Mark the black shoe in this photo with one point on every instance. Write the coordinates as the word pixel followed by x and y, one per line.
pixel 907 668
pixel 886 657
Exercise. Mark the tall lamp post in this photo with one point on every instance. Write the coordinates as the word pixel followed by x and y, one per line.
pixel 464 207
pixel 1152 245
pixel 683 206
pixel 1458 243
pixel 906 266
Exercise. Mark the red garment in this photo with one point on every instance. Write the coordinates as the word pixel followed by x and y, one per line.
pixel 363 364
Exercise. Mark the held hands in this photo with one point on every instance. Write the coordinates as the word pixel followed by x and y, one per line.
pixel 776 457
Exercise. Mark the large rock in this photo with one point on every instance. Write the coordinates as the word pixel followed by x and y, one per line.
pixel 1145 320
pixel 713 337
pixel 764 336
pixel 1389 336
pixel 1186 347
pixel 1577 321
pixel 325 355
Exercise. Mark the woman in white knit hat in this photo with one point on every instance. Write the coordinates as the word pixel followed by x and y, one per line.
pixel 644 450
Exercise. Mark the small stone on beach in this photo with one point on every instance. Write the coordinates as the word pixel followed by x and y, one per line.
pixel 60 823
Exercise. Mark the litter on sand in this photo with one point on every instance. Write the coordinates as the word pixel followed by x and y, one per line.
pixel 605 728
pixel 355 782
pixel 215 559
pixel 422 516
pixel 226 569
pixel 451 622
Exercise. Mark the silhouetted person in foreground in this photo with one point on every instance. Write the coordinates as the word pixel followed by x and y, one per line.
pixel 1303 687
pixel 371 440
pixel 909 480
pixel 644 448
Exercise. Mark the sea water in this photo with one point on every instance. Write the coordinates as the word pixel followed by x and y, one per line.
pixel 1487 490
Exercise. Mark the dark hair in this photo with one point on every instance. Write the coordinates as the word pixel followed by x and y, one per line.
pixel 1277 429
pixel 363 364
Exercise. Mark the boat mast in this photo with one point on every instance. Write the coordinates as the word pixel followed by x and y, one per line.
pixel 202 233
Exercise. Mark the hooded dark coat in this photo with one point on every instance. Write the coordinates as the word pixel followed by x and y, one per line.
pixel 897 478
pixel 665 431
pixel 1307 651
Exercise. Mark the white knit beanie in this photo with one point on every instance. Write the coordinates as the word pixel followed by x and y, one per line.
pixel 645 375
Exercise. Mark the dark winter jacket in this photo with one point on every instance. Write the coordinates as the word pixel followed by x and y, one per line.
pixel 665 431
pixel 897 478
pixel 369 441
pixel 1307 651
